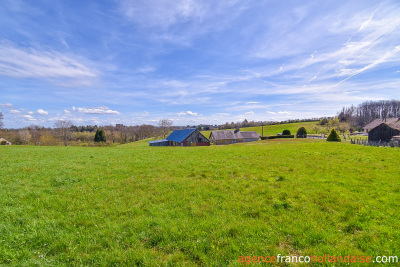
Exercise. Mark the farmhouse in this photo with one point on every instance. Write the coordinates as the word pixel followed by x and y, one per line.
pixel 185 137
pixel 382 129
pixel 231 137
pixel 4 142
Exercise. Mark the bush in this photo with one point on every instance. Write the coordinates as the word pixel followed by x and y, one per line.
pixel 3 143
pixel 333 136
pixel 100 136
pixel 301 133
pixel 286 132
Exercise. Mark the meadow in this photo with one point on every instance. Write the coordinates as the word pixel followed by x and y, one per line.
pixel 137 205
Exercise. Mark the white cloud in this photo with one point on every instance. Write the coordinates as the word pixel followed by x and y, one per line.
pixel 31 63
pixel 189 113
pixel 14 111
pixel 250 112
pixel 279 112
pixel 66 111
pixel 252 103
pixel 96 110
pixel 30 112
pixel 163 13
pixel 6 105
pixel 42 112
pixel 29 118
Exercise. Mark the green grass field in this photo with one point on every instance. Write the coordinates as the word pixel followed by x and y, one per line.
pixel 196 206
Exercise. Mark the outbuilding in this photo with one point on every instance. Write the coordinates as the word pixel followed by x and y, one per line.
pixel 232 137
pixel 183 137
pixel 382 129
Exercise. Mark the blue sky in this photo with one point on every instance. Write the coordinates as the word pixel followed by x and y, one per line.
pixel 134 62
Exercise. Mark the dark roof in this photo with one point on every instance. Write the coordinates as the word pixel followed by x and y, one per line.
pixel 223 135
pixel 180 135
pixel 158 141
pixel 251 134
pixel 391 122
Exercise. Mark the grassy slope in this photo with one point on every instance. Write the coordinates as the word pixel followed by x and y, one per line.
pixel 274 129
pixel 135 204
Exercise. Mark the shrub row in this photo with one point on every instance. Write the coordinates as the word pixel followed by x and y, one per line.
pixel 276 136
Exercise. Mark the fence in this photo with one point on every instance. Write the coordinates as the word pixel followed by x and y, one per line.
pixel 322 136
pixel 377 144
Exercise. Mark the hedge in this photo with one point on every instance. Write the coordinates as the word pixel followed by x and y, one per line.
pixel 276 137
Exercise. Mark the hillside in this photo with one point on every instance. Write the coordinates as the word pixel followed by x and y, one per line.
pixel 205 206
pixel 274 129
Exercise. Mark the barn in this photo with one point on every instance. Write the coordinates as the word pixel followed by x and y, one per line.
pixel 232 137
pixel 184 137
pixel 382 129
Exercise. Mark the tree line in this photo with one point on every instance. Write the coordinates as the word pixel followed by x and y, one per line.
pixel 65 133
pixel 245 123
pixel 366 112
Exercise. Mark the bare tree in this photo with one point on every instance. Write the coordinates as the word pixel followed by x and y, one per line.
pixel 1 120
pixel 24 136
pixel 368 111
pixel 63 129
pixel 165 125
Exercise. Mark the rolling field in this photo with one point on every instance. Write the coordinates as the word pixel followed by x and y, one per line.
pixel 275 129
pixel 196 206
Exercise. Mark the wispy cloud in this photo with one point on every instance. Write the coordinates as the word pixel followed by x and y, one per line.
pixel 162 13
pixel 22 62
pixel 29 118
pixel 6 105
pixel 96 110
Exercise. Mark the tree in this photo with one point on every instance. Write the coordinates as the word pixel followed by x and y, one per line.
pixel 333 136
pixel 316 129
pixel 301 133
pixel 63 129
pixel 165 125
pixel 343 127
pixel 286 132
pixel 100 136
pixel 24 136
pixel 1 120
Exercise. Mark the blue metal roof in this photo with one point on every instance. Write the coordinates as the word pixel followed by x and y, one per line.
pixel 158 141
pixel 180 135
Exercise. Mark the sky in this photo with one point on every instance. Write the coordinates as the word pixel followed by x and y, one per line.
pixel 194 62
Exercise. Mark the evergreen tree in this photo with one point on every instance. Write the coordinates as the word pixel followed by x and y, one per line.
pixel 301 133
pixel 100 136
pixel 333 136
